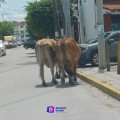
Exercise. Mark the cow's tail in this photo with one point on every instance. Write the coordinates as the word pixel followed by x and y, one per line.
pixel 36 52
pixel 62 43
pixel 39 50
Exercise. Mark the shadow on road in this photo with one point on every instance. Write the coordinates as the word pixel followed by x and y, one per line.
pixel 67 85
pixel 27 63
pixel 31 53
pixel 49 84
pixel 31 56
pixel 59 85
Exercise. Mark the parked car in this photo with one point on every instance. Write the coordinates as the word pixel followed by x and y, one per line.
pixel 8 44
pixel 89 52
pixel 19 42
pixel 2 48
pixel 30 43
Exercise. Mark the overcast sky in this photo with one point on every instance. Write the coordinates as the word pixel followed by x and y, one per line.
pixel 13 10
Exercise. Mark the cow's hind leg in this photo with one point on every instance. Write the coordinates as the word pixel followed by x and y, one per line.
pixel 53 77
pixel 50 55
pixel 42 75
pixel 70 73
pixel 71 80
pixel 58 72
pixel 62 74
pixel 75 68
pixel 57 75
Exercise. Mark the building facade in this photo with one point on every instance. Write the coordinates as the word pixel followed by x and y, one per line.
pixel 20 31
pixel 87 18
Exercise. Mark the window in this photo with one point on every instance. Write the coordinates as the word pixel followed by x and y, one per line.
pixel 115 37
pixel 115 26
pixel 115 22
pixel 27 35
pixel 84 31
pixel 21 26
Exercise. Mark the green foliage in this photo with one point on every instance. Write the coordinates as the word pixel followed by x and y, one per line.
pixel 6 28
pixel 2 1
pixel 74 1
pixel 39 19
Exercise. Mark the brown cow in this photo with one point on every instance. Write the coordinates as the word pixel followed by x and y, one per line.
pixel 64 52
pixel 46 54
pixel 71 53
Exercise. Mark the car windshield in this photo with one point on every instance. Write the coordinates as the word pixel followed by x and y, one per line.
pixel 107 34
pixel 8 41
pixel 29 41
pixel 95 39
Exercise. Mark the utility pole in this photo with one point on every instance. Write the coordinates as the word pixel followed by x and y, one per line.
pixel 55 18
pixel 101 41
pixel 2 17
pixel 66 10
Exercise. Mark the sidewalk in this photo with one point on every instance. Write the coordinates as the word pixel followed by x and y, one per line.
pixel 109 82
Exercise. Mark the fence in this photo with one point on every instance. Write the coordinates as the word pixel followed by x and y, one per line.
pixel 108 56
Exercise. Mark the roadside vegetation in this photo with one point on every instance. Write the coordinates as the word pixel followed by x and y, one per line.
pixel 40 18
pixel 6 28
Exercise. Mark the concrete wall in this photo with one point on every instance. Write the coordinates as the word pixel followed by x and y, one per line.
pixel 87 19
pixel 20 31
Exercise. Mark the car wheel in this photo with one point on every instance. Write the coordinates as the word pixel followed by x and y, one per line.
pixel 94 58
pixel 4 54
pixel 81 64
pixel 26 47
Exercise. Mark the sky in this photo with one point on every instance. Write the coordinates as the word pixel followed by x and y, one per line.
pixel 13 10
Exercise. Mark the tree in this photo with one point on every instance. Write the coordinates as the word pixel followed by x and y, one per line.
pixel 2 1
pixel 74 1
pixel 39 19
pixel 6 28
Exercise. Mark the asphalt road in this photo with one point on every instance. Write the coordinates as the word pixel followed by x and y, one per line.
pixel 22 96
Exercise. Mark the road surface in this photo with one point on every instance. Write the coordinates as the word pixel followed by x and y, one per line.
pixel 22 96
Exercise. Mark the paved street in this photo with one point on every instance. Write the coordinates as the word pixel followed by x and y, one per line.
pixel 22 96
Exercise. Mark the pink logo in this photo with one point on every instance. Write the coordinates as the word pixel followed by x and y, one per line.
pixel 50 109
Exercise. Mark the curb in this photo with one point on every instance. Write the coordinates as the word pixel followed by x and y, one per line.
pixel 112 91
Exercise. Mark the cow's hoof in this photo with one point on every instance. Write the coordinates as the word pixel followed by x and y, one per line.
pixel 75 79
pixel 55 82
pixel 71 82
pixel 63 81
pixel 57 76
pixel 65 75
pixel 44 84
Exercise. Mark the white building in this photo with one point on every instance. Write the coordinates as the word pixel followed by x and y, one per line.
pixel 87 19
pixel 20 31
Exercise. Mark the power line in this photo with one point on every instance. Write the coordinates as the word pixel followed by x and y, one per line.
pixel 11 9
pixel 6 13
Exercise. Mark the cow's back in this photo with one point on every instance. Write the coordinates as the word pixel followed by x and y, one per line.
pixel 45 51
pixel 71 50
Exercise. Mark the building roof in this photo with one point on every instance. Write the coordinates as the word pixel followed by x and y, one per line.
pixel 113 5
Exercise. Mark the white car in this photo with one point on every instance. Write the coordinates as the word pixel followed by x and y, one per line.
pixel 2 49
pixel 19 42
